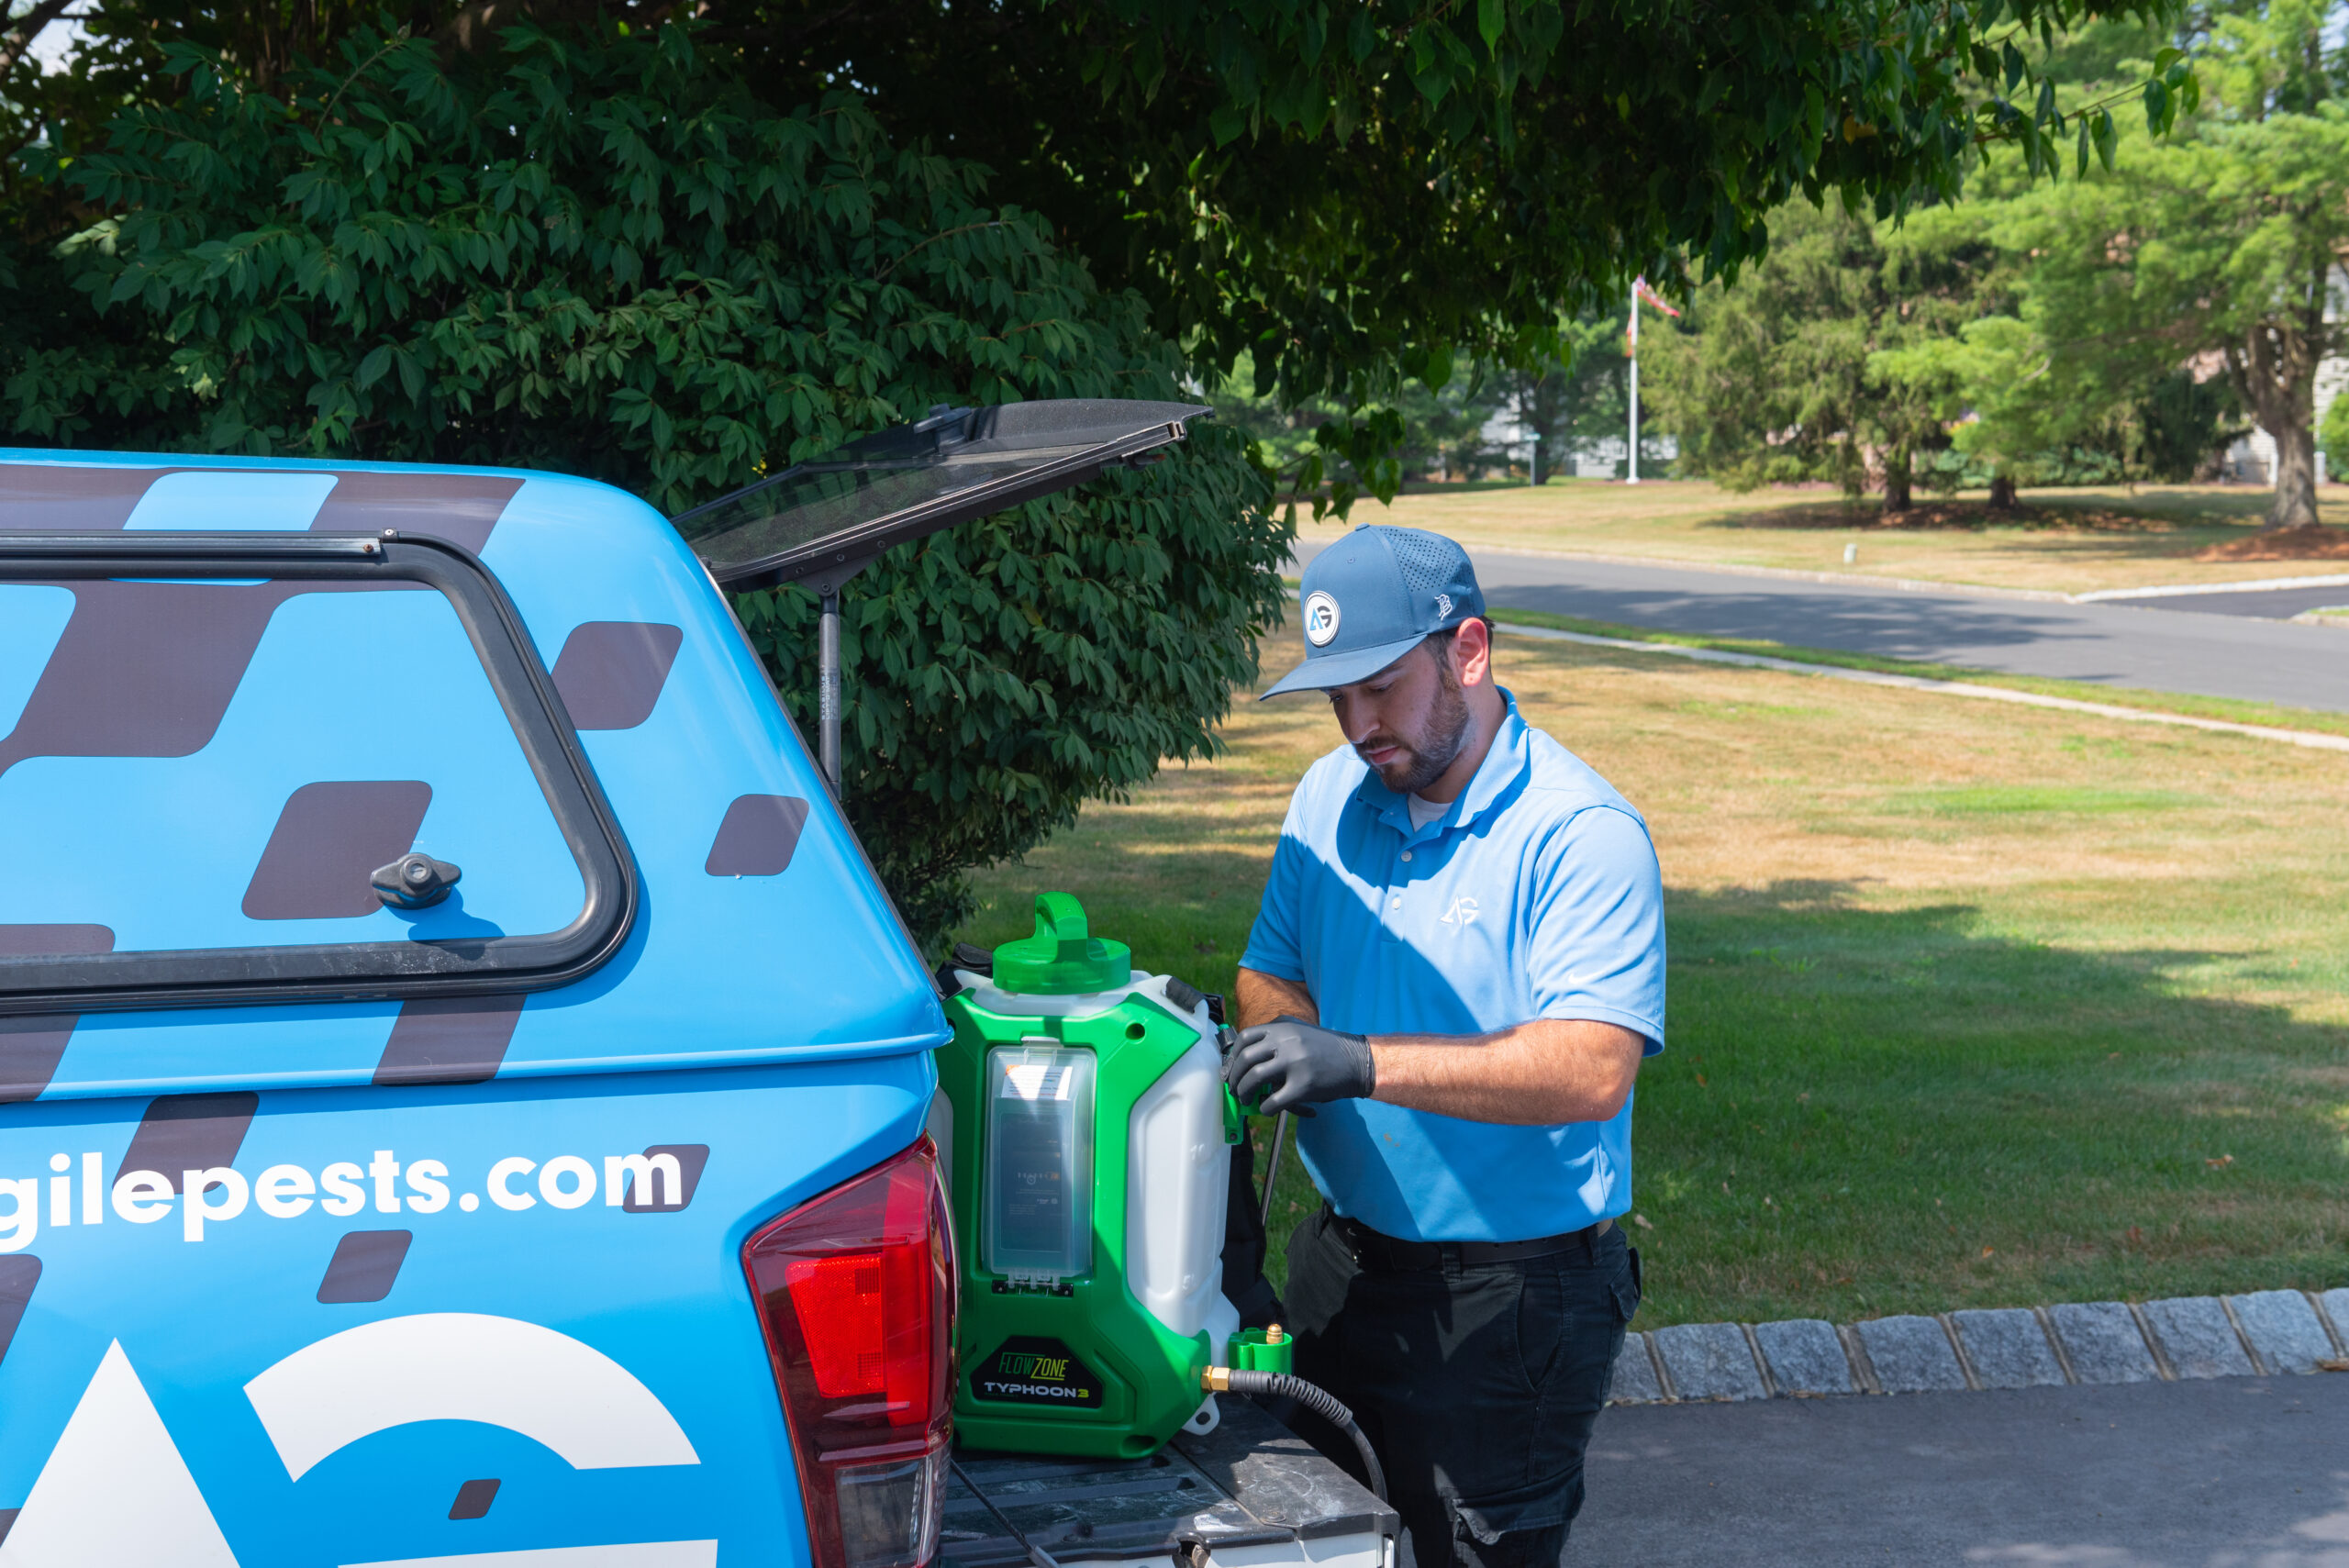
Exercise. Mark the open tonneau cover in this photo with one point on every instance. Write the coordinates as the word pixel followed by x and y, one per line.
pixel 1250 1493
pixel 883 489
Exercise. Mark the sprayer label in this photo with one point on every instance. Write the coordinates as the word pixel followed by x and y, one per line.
pixel 1029 1371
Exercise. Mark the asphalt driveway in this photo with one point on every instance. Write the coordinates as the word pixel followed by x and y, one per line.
pixel 2228 1473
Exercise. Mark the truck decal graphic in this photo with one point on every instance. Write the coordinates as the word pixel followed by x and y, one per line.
pixel 365 1265
pixel 460 507
pixel 464 1366
pixel 116 1488
pixel 449 1039
pixel 611 673
pixel 654 1181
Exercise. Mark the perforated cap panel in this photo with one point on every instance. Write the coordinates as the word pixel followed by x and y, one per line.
pixel 1435 572
pixel 1428 562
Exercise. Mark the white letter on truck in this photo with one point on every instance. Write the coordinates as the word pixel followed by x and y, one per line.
pixel 505 1171
pixel 196 1205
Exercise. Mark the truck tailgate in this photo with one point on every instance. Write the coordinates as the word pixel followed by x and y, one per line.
pixel 1250 1492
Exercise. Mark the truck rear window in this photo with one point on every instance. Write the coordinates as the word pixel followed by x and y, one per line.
pixel 210 747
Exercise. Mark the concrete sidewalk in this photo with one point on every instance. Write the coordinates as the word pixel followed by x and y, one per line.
pixel 2228 1473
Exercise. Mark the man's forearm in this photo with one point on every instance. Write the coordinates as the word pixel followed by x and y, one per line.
pixel 1536 1075
pixel 1263 997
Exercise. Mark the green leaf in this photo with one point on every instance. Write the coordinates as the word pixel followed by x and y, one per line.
pixel 1492 22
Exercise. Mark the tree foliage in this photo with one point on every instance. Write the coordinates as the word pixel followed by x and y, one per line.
pixel 2221 247
pixel 601 252
pixel 1804 370
pixel 1361 194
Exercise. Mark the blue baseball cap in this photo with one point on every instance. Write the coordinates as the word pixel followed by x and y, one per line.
pixel 1372 597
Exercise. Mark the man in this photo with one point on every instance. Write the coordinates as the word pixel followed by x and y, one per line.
pixel 1457 968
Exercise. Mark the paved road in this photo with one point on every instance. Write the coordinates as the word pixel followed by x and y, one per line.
pixel 2133 642
pixel 2268 604
pixel 2244 1473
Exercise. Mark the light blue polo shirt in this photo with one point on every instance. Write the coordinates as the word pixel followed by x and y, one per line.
pixel 1536 897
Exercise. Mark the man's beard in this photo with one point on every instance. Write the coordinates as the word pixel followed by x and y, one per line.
pixel 1435 748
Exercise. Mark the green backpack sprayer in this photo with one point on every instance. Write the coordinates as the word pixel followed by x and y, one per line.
pixel 1089 1160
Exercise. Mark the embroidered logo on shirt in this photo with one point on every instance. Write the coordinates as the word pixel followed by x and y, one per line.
pixel 1320 618
pixel 1462 913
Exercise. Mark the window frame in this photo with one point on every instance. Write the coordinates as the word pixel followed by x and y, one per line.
pixel 369 971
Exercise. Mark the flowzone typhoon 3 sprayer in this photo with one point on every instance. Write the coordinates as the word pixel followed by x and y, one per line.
pixel 1089 1151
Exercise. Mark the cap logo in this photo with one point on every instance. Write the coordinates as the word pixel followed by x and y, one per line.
pixel 1443 604
pixel 1320 618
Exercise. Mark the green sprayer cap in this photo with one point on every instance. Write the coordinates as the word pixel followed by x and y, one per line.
pixel 1061 959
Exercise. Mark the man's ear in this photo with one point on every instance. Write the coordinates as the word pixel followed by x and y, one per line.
pixel 1471 652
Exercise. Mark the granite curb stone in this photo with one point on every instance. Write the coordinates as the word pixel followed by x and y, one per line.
pixel 1911 1355
pixel 2197 1337
pixel 1805 1356
pixel 2258 1332
pixel 1633 1380
pixel 1709 1361
pixel 2335 1306
pixel 2283 1328
pixel 2104 1343
pixel 2009 1348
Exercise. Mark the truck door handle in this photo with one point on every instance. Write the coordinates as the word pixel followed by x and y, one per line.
pixel 415 880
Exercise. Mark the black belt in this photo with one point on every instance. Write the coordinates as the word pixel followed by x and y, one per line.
pixel 1376 1250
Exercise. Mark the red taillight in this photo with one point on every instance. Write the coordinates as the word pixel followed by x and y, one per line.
pixel 856 1293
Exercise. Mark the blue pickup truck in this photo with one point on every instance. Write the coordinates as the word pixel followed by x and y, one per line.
pixel 462 1089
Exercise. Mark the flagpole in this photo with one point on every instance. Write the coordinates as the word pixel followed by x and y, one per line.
pixel 1635 384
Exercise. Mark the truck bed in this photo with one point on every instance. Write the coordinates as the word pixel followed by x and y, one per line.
pixel 1250 1492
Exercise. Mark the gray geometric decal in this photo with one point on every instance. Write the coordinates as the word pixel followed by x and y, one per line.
pixel 328 837
pixel 758 835
pixel 54 941
pixel 611 672
pixel 365 1264
pixel 691 1159
pixel 449 1039
pixel 189 1132
pixel 30 1048
pixel 19 1271
pixel 458 507
pixel 474 1499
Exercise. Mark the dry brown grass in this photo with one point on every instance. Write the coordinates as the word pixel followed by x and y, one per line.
pixel 2064 540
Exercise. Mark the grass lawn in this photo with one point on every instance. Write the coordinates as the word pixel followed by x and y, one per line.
pixel 2079 540
pixel 1970 1006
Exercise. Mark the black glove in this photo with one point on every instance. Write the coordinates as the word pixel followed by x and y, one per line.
pixel 1293 1063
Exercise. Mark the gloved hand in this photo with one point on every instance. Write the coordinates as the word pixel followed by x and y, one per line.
pixel 1293 1063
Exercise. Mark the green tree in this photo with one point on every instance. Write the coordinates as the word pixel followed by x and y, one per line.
pixel 600 252
pixel 1799 373
pixel 2221 246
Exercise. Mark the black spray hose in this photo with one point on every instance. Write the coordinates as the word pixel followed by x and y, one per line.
pixel 1314 1398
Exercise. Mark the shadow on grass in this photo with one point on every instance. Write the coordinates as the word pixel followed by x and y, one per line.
pixel 1866 1111
pixel 1869 1111
pixel 2112 518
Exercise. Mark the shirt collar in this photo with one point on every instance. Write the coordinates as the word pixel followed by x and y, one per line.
pixel 1504 763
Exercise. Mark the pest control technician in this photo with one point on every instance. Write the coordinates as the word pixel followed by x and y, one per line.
pixel 1457 968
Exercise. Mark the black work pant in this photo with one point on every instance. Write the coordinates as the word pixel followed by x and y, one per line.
pixel 1476 1386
